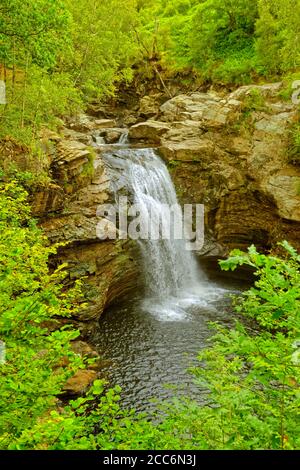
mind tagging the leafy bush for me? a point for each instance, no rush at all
(30, 297)
(277, 30)
(38, 357)
(251, 372)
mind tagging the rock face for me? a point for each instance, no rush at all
(230, 153)
(67, 210)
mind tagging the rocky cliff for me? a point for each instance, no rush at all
(227, 151)
(230, 152)
(67, 210)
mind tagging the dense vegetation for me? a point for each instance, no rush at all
(251, 371)
(56, 56)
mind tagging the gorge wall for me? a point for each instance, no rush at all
(230, 152)
(227, 151)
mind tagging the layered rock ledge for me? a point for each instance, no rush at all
(67, 210)
(230, 153)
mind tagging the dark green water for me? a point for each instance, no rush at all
(148, 354)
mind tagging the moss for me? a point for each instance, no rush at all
(173, 164)
(287, 91)
(88, 168)
(294, 144)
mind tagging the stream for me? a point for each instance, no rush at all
(150, 339)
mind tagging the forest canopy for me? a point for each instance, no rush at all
(70, 53)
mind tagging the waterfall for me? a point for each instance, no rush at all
(123, 140)
(171, 271)
(169, 267)
(174, 281)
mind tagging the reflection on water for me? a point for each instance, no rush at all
(151, 341)
(146, 350)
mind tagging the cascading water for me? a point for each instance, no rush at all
(169, 267)
(151, 342)
(173, 278)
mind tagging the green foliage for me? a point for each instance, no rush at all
(294, 147)
(30, 296)
(277, 29)
(103, 45)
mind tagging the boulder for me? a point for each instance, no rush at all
(77, 136)
(83, 349)
(112, 136)
(48, 199)
(81, 123)
(150, 131)
(104, 123)
(109, 266)
(209, 109)
(269, 90)
(148, 107)
(80, 382)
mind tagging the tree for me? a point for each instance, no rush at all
(35, 29)
(103, 45)
(278, 35)
(222, 29)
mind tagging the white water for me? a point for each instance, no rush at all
(123, 138)
(174, 280)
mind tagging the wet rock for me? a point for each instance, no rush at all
(83, 349)
(112, 136)
(80, 382)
